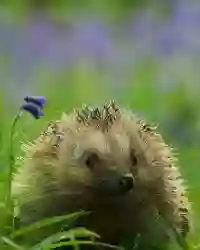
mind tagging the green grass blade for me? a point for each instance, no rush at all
(81, 242)
(47, 222)
(66, 235)
(12, 244)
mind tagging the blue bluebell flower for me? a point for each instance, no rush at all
(35, 111)
(34, 106)
(36, 100)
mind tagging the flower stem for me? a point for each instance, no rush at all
(11, 162)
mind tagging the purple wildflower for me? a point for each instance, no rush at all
(33, 110)
(36, 100)
(34, 105)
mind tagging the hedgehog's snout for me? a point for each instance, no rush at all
(127, 182)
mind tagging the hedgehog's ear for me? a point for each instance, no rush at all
(64, 116)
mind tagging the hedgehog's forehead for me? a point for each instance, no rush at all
(104, 117)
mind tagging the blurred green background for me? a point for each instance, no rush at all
(144, 54)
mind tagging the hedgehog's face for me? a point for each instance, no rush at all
(97, 161)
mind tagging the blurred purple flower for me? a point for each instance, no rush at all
(119, 47)
(181, 32)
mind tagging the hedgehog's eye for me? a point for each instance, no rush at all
(92, 161)
(133, 158)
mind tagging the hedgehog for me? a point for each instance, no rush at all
(110, 162)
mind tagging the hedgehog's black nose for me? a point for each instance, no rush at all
(127, 182)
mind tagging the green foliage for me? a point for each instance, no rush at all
(58, 239)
